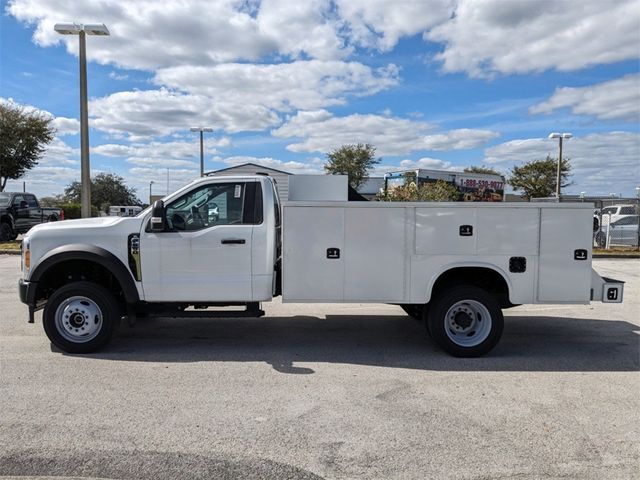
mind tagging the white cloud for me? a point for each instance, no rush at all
(617, 99)
(427, 163)
(322, 132)
(302, 84)
(144, 114)
(480, 37)
(296, 28)
(147, 34)
(602, 162)
(381, 23)
(163, 154)
(460, 139)
(310, 168)
(488, 37)
(66, 126)
(118, 76)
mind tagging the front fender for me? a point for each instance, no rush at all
(89, 253)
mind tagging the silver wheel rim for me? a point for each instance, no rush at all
(467, 323)
(78, 319)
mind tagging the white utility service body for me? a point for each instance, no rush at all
(223, 241)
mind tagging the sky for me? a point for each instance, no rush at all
(439, 84)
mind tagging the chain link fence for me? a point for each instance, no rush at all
(616, 221)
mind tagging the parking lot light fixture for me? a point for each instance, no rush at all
(82, 30)
(201, 130)
(560, 137)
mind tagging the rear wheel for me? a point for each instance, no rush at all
(81, 317)
(465, 321)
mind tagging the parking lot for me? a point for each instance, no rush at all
(326, 391)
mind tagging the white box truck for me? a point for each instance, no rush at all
(227, 241)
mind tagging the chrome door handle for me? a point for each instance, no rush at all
(233, 241)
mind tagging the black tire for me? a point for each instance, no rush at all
(6, 232)
(413, 310)
(458, 313)
(52, 218)
(96, 297)
(601, 239)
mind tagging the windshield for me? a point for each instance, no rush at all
(5, 198)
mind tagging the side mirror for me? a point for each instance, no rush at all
(158, 220)
(23, 204)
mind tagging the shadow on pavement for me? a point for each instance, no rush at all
(141, 465)
(528, 343)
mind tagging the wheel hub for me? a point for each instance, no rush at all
(78, 319)
(463, 319)
(467, 323)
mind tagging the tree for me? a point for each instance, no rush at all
(537, 178)
(106, 189)
(439, 191)
(24, 136)
(355, 161)
(481, 169)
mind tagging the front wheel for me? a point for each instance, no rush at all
(6, 232)
(465, 321)
(81, 317)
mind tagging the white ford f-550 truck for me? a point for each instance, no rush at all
(227, 241)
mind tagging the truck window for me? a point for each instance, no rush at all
(31, 201)
(17, 200)
(627, 211)
(207, 206)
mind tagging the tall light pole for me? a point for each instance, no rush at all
(201, 130)
(560, 137)
(85, 172)
(150, 192)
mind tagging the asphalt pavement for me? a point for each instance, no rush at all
(326, 391)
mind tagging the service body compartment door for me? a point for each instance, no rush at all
(375, 254)
(564, 271)
(445, 231)
(313, 254)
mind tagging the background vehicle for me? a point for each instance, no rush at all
(124, 210)
(472, 187)
(455, 265)
(612, 213)
(21, 211)
(623, 231)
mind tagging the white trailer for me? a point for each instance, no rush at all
(227, 241)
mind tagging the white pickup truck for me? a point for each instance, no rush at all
(227, 241)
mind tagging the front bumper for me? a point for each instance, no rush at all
(27, 290)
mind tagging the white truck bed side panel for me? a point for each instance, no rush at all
(375, 254)
(508, 231)
(562, 278)
(437, 231)
(308, 275)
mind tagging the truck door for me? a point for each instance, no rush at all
(205, 253)
(35, 212)
(21, 211)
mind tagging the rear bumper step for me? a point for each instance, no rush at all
(606, 290)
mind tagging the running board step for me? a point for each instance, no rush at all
(211, 314)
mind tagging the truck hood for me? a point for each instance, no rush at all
(96, 226)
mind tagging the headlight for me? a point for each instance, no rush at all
(26, 254)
